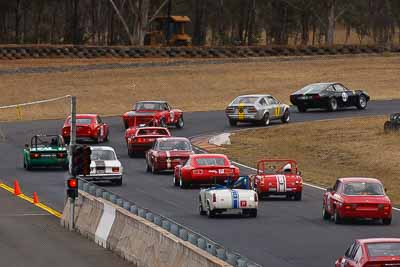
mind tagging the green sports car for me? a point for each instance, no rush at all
(46, 151)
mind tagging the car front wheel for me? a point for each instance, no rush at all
(362, 102)
(325, 214)
(286, 116)
(180, 123)
(336, 217)
(232, 122)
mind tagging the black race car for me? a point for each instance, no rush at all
(329, 96)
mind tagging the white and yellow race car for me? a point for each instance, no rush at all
(238, 198)
(260, 109)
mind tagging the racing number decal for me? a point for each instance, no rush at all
(277, 111)
(241, 111)
(345, 96)
(243, 203)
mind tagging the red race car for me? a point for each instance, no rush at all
(139, 140)
(205, 169)
(371, 252)
(166, 153)
(88, 127)
(278, 177)
(153, 113)
(357, 198)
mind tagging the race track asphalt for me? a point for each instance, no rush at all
(286, 233)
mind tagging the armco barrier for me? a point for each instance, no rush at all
(141, 236)
(69, 51)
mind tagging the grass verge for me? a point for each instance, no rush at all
(327, 150)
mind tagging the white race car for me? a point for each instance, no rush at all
(104, 165)
(239, 198)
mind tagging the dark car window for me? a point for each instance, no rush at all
(336, 186)
(363, 188)
(383, 249)
(167, 145)
(81, 121)
(245, 100)
(99, 121)
(272, 100)
(330, 89)
(102, 155)
(339, 88)
(349, 250)
(215, 161)
(263, 102)
(148, 106)
(152, 132)
(312, 88)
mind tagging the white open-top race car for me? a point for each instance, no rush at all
(238, 198)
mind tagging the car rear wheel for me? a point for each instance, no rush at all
(387, 221)
(325, 213)
(332, 105)
(180, 123)
(301, 108)
(266, 120)
(131, 153)
(182, 184)
(336, 217)
(232, 122)
(175, 181)
(362, 102)
(387, 127)
(201, 210)
(148, 169)
(286, 116)
(253, 213)
(210, 213)
(153, 169)
(297, 196)
(118, 182)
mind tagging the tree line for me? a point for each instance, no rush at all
(213, 22)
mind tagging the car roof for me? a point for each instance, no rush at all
(85, 116)
(101, 148)
(150, 128)
(208, 156)
(172, 138)
(152, 101)
(254, 95)
(358, 179)
(378, 240)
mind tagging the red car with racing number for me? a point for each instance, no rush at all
(205, 169)
(153, 113)
(88, 127)
(371, 252)
(276, 177)
(168, 152)
(357, 198)
(141, 139)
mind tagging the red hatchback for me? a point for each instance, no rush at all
(278, 177)
(166, 153)
(355, 197)
(205, 169)
(139, 140)
(372, 252)
(88, 127)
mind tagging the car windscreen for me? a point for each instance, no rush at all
(42, 141)
(81, 121)
(312, 89)
(363, 188)
(152, 132)
(215, 161)
(383, 249)
(245, 100)
(148, 106)
(102, 155)
(168, 145)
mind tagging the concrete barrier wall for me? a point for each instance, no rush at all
(134, 238)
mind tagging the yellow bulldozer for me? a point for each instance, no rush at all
(168, 31)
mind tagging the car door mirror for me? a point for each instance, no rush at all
(26, 146)
(385, 190)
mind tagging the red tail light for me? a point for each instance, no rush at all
(214, 198)
(139, 140)
(35, 155)
(316, 97)
(61, 155)
(197, 171)
(228, 171)
(255, 197)
(115, 169)
(251, 110)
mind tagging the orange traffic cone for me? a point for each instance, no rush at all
(35, 198)
(17, 190)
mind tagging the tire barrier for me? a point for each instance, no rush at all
(12, 52)
(130, 230)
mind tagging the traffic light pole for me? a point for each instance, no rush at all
(72, 145)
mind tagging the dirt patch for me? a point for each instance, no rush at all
(327, 150)
(198, 87)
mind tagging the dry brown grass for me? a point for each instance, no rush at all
(327, 150)
(197, 87)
